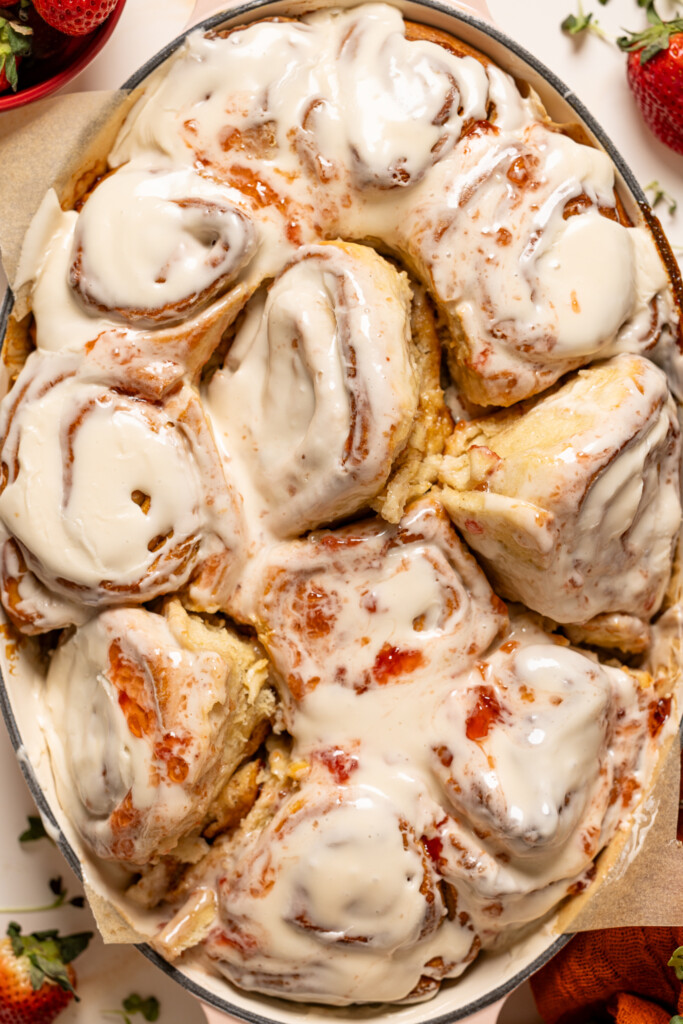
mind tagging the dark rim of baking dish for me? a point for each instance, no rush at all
(215, 21)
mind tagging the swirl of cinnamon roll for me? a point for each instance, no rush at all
(358, 97)
(372, 605)
(150, 718)
(396, 105)
(147, 360)
(285, 929)
(152, 246)
(318, 392)
(110, 499)
(573, 501)
(532, 263)
(541, 752)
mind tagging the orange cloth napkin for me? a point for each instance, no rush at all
(620, 974)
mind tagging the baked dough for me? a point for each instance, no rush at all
(151, 714)
(338, 223)
(573, 501)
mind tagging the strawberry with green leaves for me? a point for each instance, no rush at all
(655, 75)
(15, 43)
(36, 977)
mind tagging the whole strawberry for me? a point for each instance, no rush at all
(655, 74)
(36, 979)
(75, 17)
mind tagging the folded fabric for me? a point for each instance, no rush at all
(618, 974)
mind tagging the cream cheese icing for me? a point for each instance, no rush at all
(326, 352)
(246, 372)
(442, 756)
(79, 457)
(579, 522)
(179, 239)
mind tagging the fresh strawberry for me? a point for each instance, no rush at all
(75, 17)
(655, 74)
(36, 979)
(15, 43)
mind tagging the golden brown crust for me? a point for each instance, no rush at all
(416, 30)
(416, 468)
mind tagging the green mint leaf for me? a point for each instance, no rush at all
(14, 933)
(77, 901)
(35, 830)
(149, 1007)
(676, 962)
(132, 1003)
(576, 23)
(71, 946)
(11, 71)
(52, 969)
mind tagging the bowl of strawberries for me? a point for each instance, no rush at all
(46, 43)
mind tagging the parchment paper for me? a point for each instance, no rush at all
(61, 143)
(49, 144)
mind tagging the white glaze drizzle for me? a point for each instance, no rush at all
(581, 520)
(76, 454)
(372, 604)
(509, 842)
(285, 115)
(150, 246)
(318, 391)
(134, 756)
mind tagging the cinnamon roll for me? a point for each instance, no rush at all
(531, 262)
(285, 930)
(541, 751)
(318, 392)
(150, 360)
(441, 771)
(358, 98)
(153, 246)
(573, 501)
(373, 605)
(108, 499)
(395, 105)
(153, 363)
(151, 714)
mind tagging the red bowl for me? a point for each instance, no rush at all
(77, 53)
